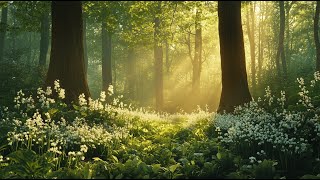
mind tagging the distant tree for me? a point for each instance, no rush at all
(280, 52)
(85, 49)
(44, 40)
(67, 58)
(316, 35)
(158, 57)
(3, 27)
(234, 77)
(251, 31)
(106, 53)
(197, 60)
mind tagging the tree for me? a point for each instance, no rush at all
(106, 53)
(67, 58)
(85, 49)
(3, 27)
(197, 60)
(44, 41)
(235, 89)
(280, 52)
(316, 35)
(158, 57)
(250, 31)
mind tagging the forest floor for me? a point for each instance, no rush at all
(43, 137)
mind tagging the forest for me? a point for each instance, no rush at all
(159, 89)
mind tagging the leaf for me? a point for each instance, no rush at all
(174, 167)
(115, 159)
(53, 111)
(120, 176)
(97, 159)
(219, 155)
(76, 107)
(156, 168)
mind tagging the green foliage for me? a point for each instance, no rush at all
(265, 170)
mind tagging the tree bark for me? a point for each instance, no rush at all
(3, 30)
(235, 89)
(67, 59)
(106, 55)
(158, 56)
(44, 41)
(280, 52)
(197, 60)
(316, 35)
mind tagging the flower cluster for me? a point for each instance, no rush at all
(305, 98)
(59, 90)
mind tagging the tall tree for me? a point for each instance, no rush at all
(316, 35)
(288, 6)
(197, 60)
(85, 49)
(3, 29)
(235, 89)
(158, 57)
(106, 53)
(131, 72)
(67, 59)
(280, 51)
(44, 39)
(250, 30)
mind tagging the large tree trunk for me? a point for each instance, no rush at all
(106, 55)
(316, 35)
(3, 30)
(67, 59)
(158, 57)
(280, 52)
(235, 89)
(85, 50)
(252, 44)
(44, 41)
(197, 60)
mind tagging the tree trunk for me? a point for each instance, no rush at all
(106, 55)
(29, 60)
(167, 57)
(197, 60)
(235, 89)
(287, 29)
(316, 35)
(85, 50)
(3, 30)
(252, 43)
(44, 41)
(131, 74)
(158, 56)
(280, 52)
(66, 58)
(260, 47)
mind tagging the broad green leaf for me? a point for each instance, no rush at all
(172, 168)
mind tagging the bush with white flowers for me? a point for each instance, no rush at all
(277, 131)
